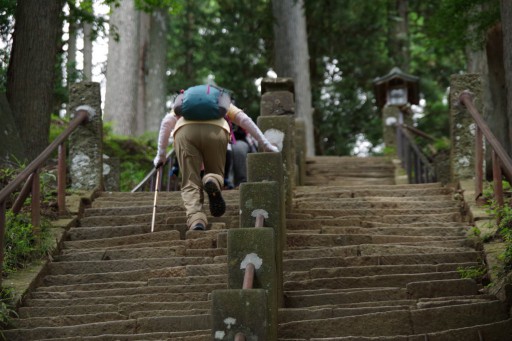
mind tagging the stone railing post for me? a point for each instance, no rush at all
(86, 142)
(278, 113)
(462, 127)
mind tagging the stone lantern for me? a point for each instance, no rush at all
(394, 93)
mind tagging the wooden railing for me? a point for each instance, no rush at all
(418, 167)
(500, 159)
(30, 175)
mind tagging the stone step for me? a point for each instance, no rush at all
(350, 203)
(199, 335)
(102, 266)
(304, 240)
(373, 213)
(372, 250)
(158, 297)
(496, 331)
(167, 324)
(448, 231)
(204, 288)
(349, 258)
(168, 281)
(137, 275)
(146, 218)
(138, 253)
(372, 270)
(398, 322)
(392, 280)
(320, 221)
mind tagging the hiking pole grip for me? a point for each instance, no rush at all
(157, 183)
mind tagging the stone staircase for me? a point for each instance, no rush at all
(366, 260)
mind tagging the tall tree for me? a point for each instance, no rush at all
(292, 58)
(156, 65)
(123, 69)
(506, 22)
(31, 71)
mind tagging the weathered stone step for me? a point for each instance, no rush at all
(320, 221)
(158, 297)
(124, 240)
(69, 320)
(124, 309)
(298, 240)
(190, 323)
(138, 253)
(202, 288)
(169, 281)
(392, 280)
(373, 213)
(346, 203)
(370, 250)
(199, 335)
(496, 331)
(137, 275)
(392, 323)
(311, 298)
(372, 270)
(89, 267)
(351, 259)
(453, 231)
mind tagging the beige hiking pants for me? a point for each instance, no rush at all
(196, 145)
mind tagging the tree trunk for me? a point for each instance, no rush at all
(142, 72)
(156, 79)
(506, 22)
(292, 59)
(87, 29)
(31, 71)
(71, 63)
(122, 69)
(399, 38)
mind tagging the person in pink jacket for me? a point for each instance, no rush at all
(204, 144)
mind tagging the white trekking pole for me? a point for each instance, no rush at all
(154, 202)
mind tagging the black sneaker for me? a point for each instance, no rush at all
(198, 227)
(217, 203)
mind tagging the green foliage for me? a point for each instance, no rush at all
(21, 242)
(7, 307)
(135, 155)
(503, 218)
(472, 272)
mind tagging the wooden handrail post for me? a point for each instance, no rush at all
(479, 163)
(35, 204)
(61, 179)
(496, 176)
(240, 337)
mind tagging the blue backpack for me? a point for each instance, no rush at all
(202, 102)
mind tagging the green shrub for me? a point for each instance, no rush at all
(22, 244)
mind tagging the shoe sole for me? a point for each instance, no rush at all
(217, 203)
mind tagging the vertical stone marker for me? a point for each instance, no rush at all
(86, 142)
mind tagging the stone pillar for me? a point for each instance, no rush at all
(254, 245)
(86, 142)
(463, 127)
(300, 151)
(266, 198)
(286, 125)
(231, 315)
(277, 97)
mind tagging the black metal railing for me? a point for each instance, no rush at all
(418, 167)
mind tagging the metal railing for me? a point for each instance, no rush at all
(500, 159)
(30, 175)
(169, 182)
(418, 167)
